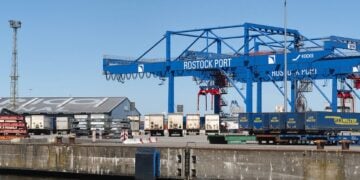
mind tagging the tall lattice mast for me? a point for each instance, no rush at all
(15, 25)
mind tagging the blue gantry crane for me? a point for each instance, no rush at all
(219, 57)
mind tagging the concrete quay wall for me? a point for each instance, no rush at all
(181, 162)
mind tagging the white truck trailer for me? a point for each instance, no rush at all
(229, 124)
(134, 123)
(212, 123)
(39, 124)
(63, 125)
(193, 124)
(155, 124)
(147, 124)
(175, 124)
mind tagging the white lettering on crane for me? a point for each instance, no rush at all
(207, 64)
(299, 72)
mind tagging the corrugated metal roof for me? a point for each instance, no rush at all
(66, 105)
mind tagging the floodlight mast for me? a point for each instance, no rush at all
(285, 59)
(15, 25)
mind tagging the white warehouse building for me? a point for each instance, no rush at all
(72, 113)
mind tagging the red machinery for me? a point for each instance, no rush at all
(208, 90)
(343, 96)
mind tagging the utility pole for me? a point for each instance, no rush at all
(15, 25)
(285, 58)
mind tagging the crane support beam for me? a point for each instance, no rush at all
(321, 92)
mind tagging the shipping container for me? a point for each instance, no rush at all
(295, 122)
(277, 122)
(331, 122)
(245, 121)
(118, 126)
(155, 124)
(40, 124)
(212, 123)
(260, 122)
(175, 124)
(193, 124)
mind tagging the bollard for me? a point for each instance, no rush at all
(58, 139)
(345, 144)
(71, 139)
(93, 136)
(320, 144)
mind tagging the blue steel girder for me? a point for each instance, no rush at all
(302, 65)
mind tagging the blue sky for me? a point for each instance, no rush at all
(61, 42)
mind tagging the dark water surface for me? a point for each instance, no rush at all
(28, 177)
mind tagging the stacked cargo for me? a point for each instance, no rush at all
(100, 123)
(134, 124)
(80, 125)
(12, 125)
(117, 126)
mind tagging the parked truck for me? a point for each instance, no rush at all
(193, 124)
(63, 125)
(175, 124)
(212, 123)
(39, 124)
(155, 124)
